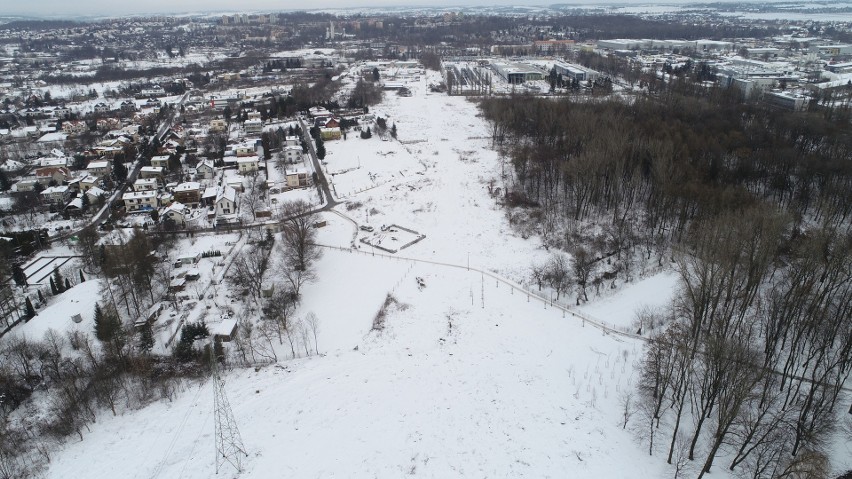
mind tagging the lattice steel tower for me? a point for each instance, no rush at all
(229, 443)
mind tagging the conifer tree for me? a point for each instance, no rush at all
(53, 289)
(30, 309)
(82, 278)
(19, 276)
(146, 338)
(58, 281)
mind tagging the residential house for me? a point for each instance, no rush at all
(26, 184)
(226, 201)
(253, 127)
(247, 164)
(57, 174)
(99, 168)
(95, 194)
(153, 91)
(218, 125)
(74, 127)
(145, 184)
(140, 200)
(247, 148)
(292, 141)
(60, 111)
(101, 108)
(128, 106)
(205, 170)
(292, 154)
(88, 182)
(57, 195)
(155, 172)
(209, 196)
(74, 207)
(297, 178)
(188, 193)
(174, 213)
(161, 161)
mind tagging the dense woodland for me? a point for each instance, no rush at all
(746, 367)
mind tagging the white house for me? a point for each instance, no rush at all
(155, 172)
(94, 193)
(247, 164)
(205, 170)
(56, 194)
(226, 201)
(140, 200)
(161, 161)
(292, 154)
(174, 212)
(145, 184)
(99, 168)
(88, 183)
(253, 127)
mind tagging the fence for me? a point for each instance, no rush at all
(585, 318)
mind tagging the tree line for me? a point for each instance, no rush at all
(753, 207)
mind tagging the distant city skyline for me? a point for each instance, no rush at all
(57, 8)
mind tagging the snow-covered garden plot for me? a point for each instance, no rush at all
(40, 269)
(356, 165)
(79, 300)
(392, 238)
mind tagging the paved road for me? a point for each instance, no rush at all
(322, 182)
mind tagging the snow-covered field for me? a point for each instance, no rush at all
(465, 377)
(448, 389)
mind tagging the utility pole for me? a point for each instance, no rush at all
(229, 443)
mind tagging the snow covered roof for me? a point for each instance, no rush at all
(132, 195)
(52, 137)
(205, 164)
(225, 328)
(188, 186)
(210, 192)
(95, 191)
(175, 208)
(227, 193)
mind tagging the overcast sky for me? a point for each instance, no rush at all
(118, 7)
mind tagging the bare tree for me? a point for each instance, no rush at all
(278, 309)
(299, 247)
(248, 269)
(312, 323)
(556, 273)
(583, 266)
(252, 199)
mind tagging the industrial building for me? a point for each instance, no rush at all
(575, 72)
(517, 72)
